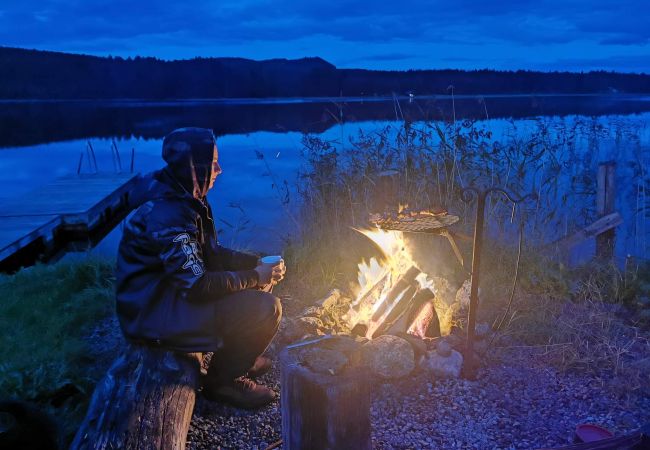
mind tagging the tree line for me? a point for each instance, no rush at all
(35, 74)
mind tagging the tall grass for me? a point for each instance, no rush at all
(45, 313)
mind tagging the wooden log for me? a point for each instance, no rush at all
(145, 401)
(408, 313)
(365, 301)
(600, 226)
(325, 400)
(392, 313)
(406, 286)
(403, 283)
(418, 318)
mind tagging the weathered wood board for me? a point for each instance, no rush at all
(75, 201)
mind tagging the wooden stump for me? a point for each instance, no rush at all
(145, 401)
(325, 399)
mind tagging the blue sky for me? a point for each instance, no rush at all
(382, 34)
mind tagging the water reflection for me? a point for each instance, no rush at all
(260, 149)
(30, 123)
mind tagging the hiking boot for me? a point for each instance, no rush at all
(261, 366)
(241, 392)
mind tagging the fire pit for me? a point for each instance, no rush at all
(394, 298)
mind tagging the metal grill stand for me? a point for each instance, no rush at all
(469, 365)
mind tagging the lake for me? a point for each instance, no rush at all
(260, 145)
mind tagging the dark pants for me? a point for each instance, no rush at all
(246, 321)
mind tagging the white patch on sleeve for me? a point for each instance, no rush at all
(191, 250)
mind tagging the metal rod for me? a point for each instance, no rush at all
(132, 158)
(469, 366)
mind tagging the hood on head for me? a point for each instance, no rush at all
(189, 153)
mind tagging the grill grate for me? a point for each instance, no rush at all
(425, 224)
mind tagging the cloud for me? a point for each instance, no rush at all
(382, 31)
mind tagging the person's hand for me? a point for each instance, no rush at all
(278, 272)
(264, 275)
(270, 275)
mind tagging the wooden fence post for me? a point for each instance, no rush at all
(605, 198)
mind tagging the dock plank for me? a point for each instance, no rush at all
(76, 202)
(66, 196)
(18, 232)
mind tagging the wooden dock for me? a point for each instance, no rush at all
(77, 209)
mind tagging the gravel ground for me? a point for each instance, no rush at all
(519, 405)
(518, 402)
(216, 425)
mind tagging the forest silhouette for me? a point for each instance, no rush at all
(36, 74)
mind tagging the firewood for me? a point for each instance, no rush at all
(144, 401)
(392, 312)
(412, 312)
(402, 284)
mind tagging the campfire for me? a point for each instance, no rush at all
(394, 295)
(397, 310)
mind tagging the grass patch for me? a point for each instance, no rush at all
(45, 313)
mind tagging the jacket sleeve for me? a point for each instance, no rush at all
(182, 259)
(234, 260)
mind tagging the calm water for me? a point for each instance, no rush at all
(40, 141)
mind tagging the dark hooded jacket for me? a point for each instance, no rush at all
(170, 267)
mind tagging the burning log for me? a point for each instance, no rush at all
(397, 298)
(426, 323)
(418, 317)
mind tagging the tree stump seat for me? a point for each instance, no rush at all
(145, 401)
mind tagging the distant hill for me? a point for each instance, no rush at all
(35, 74)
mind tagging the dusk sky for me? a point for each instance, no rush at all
(512, 34)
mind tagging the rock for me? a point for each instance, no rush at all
(443, 366)
(389, 356)
(418, 344)
(300, 327)
(348, 345)
(482, 330)
(431, 343)
(325, 361)
(456, 341)
(443, 348)
(330, 299)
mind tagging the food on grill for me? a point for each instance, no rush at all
(405, 215)
(410, 220)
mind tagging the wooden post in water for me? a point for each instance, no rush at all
(605, 198)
